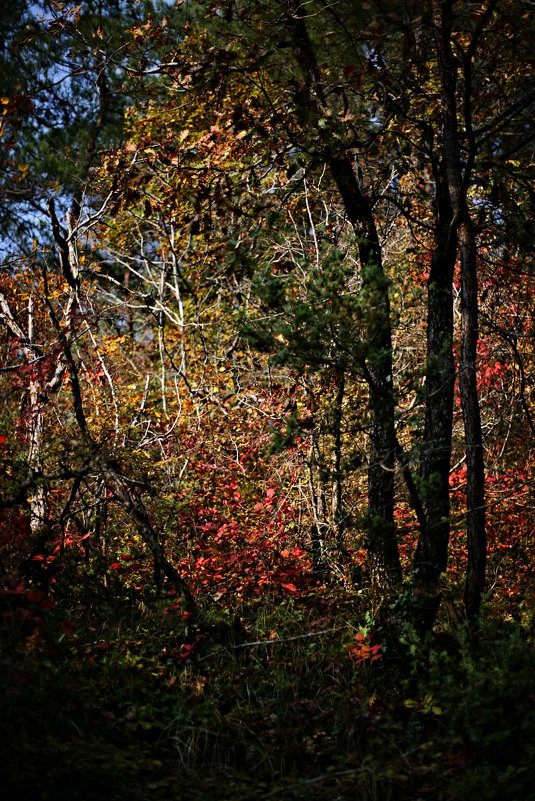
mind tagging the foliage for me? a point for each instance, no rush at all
(267, 382)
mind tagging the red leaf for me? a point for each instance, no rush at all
(68, 627)
(187, 650)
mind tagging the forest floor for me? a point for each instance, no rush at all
(282, 699)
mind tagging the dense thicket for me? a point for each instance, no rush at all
(267, 333)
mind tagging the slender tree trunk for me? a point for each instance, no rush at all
(456, 230)
(36, 392)
(432, 551)
(320, 524)
(39, 507)
(431, 555)
(385, 568)
(475, 490)
(337, 495)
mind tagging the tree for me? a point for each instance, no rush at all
(64, 87)
(275, 191)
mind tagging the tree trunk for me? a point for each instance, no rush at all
(455, 229)
(385, 568)
(337, 509)
(432, 551)
(431, 555)
(475, 489)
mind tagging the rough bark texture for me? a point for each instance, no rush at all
(475, 490)
(382, 542)
(454, 231)
(432, 550)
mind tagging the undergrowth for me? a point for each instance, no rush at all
(286, 699)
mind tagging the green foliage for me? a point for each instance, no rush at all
(489, 692)
(63, 93)
(298, 697)
(221, 204)
(314, 323)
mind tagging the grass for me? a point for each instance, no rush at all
(267, 704)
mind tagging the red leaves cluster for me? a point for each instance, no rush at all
(238, 544)
(363, 650)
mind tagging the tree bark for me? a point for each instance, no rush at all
(454, 230)
(432, 550)
(475, 473)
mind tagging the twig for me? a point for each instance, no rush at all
(336, 773)
(273, 641)
(316, 779)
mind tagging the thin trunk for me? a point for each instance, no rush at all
(33, 354)
(385, 568)
(336, 500)
(456, 229)
(319, 524)
(475, 489)
(39, 506)
(432, 550)
(475, 459)
(134, 506)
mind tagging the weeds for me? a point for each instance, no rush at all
(266, 701)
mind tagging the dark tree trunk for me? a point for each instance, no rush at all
(432, 550)
(475, 489)
(456, 229)
(385, 569)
